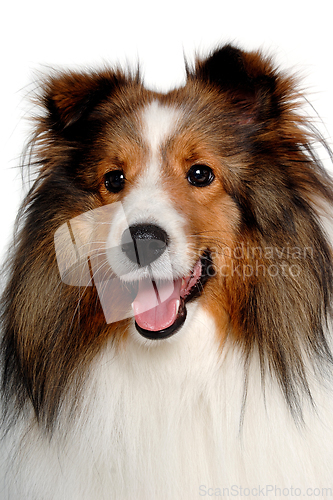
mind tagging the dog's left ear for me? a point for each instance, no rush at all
(246, 78)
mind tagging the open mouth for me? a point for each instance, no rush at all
(160, 307)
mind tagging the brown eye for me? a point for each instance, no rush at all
(114, 181)
(200, 175)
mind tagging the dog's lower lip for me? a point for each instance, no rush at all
(193, 293)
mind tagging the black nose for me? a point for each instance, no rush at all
(144, 243)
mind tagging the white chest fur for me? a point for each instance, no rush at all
(164, 422)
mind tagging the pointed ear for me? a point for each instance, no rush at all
(70, 97)
(246, 78)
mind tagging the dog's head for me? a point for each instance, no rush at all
(203, 196)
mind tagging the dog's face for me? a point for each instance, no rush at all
(169, 222)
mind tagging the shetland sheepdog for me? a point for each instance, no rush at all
(167, 317)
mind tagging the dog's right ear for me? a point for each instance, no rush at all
(247, 79)
(69, 97)
(225, 68)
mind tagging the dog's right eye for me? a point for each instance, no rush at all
(114, 181)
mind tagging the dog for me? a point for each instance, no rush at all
(167, 317)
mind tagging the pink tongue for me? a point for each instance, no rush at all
(156, 305)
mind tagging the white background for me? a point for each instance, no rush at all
(37, 34)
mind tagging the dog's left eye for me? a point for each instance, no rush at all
(114, 181)
(200, 175)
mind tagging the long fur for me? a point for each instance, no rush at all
(241, 396)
